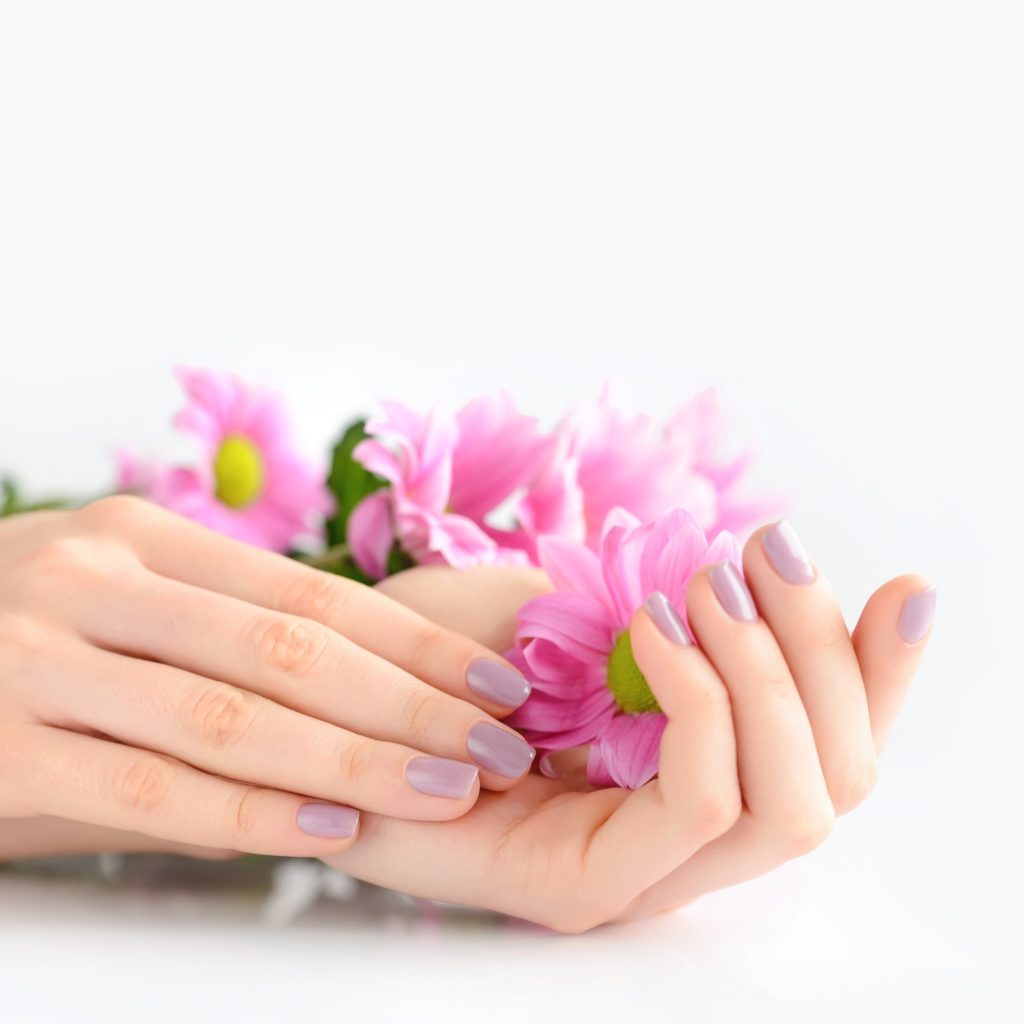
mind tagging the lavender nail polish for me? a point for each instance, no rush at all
(499, 683)
(499, 751)
(788, 557)
(327, 821)
(439, 776)
(916, 615)
(732, 592)
(666, 618)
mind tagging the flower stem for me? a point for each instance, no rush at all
(331, 558)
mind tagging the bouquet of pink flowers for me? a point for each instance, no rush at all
(612, 506)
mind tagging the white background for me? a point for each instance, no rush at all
(816, 206)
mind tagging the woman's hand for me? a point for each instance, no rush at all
(775, 723)
(158, 678)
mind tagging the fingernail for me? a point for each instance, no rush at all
(732, 592)
(547, 767)
(439, 776)
(916, 615)
(499, 751)
(786, 554)
(327, 821)
(666, 618)
(499, 683)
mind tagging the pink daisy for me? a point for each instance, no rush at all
(251, 483)
(449, 475)
(609, 458)
(573, 645)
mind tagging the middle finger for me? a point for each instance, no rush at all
(301, 665)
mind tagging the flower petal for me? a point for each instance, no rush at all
(371, 534)
(627, 751)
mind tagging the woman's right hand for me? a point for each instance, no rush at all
(159, 678)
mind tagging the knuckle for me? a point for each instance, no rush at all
(428, 638)
(117, 513)
(357, 760)
(707, 698)
(808, 832)
(292, 648)
(576, 920)
(65, 557)
(220, 716)
(315, 595)
(714, 813)
(20, 642)
(421, 711)
(242, 813)
(143, 786)
(856, 786)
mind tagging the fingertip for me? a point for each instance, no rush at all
(915, 619)
(904, 607)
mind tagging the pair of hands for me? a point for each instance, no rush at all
(162, 687)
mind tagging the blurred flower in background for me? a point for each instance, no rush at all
(250, 483)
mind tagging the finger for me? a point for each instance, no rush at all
(227, 731)
(801, 611)
(24, 838)
(696, 796)
(780, 775)
(105, 783)
(890, 639)
(309, 668)
(183, 550)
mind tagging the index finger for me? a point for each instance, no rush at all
(696, 796)
(183, 550)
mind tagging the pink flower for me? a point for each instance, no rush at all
(449, 475)
(573, 644)
(611, 459)
(251, 483)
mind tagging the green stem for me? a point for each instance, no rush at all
(328, 559)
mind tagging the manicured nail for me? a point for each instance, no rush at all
(916, 615)
(494, 681)
(786, 554)
(666, 618)
(499, 751)
(439, 776)
(547, 767)
(732, 592)
(327, 821)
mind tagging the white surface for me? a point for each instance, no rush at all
(816, 206)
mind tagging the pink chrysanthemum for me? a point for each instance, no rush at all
(609, 458)
(251, 483)
(574, 647)
(448, 474)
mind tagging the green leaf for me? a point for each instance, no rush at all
(348, 481)
(12, 503)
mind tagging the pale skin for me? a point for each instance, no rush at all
(775, 727)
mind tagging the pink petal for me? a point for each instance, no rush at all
(576, 622)
(558, 724)
(571, 566)
(370, 534)
(377, 458)
(627, 751)
(498, 451)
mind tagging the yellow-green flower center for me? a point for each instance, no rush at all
(626, 681)
(238, 472)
